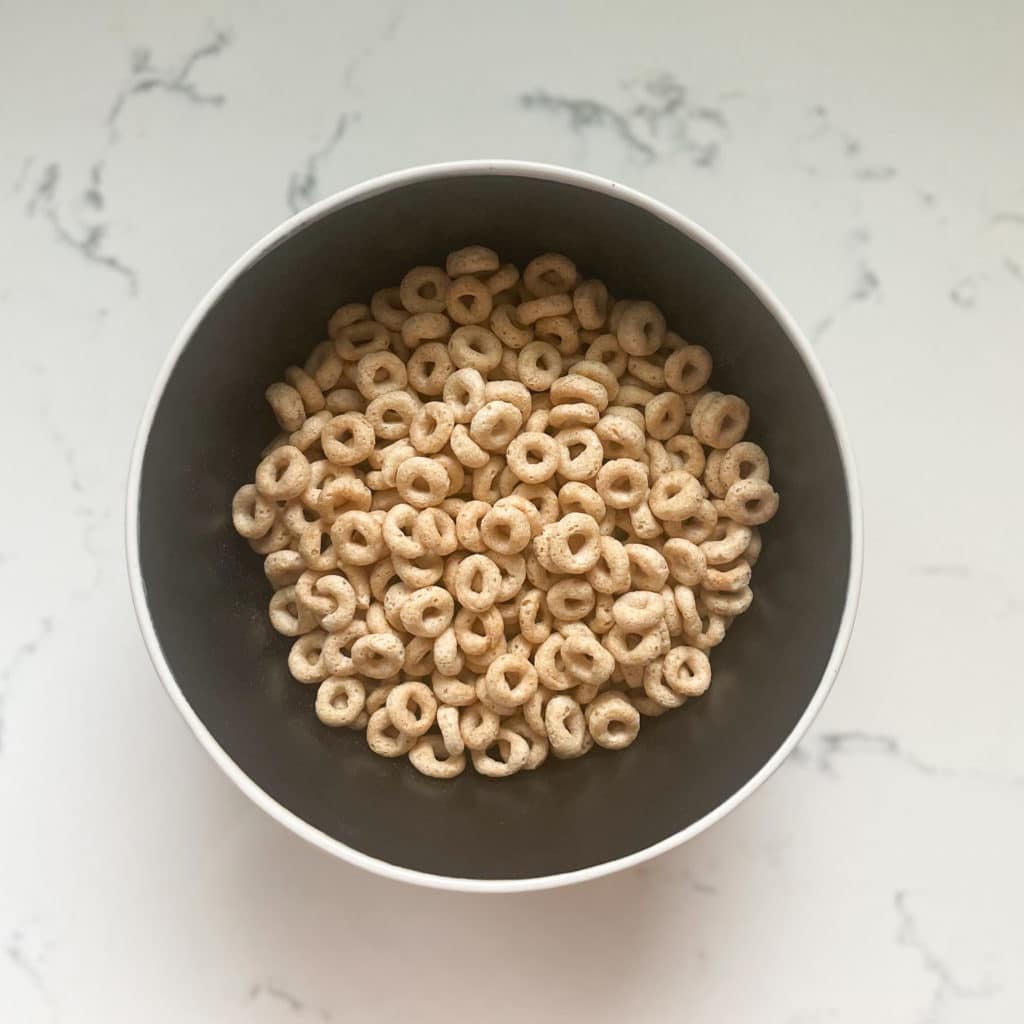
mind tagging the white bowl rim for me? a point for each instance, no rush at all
(544, 172)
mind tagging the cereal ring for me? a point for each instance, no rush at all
(633, 647)
(447, 719)
(573, 414)
(343, 494)
(431, 757)
(640, 329)
(586, 660)
(622, 483)
(335, 594)
(657, 690)
(478, 632)
(571, 600)
(533, 457)
(620, 437)
(513, 752)
(550, 664)
(572, 545)
(378, 655)
(422, 482)
(308, 390)
(687, 369)
(422, 327)
(590, 301)
(283, 568)
(533, 616)
(386, 308)
(574, 496)
(411, 708)
(604, 349)
(466, 451)
(419, 657)
(283, 474)
(511, 391)
(610, 573)
(424, 290)
(720, 421)
(744, 461)
(631, 395)
(642, 522)
(422, 571)
(275, 539)
(479, 726)
(305, 659)
(505, 529)
(476, 583)
(690, 451)
(687, 671)
(613, 721)
(566, 727)
(347, 439)
(650, 372)
(344, 400)
(558, 331)
(464, 394)
(502, 280)
(485, 480)
(452, 690)
(398, 531)
(430, 368)
(384, 738)
(431, 427)
(509, 328)
(360, 339)
(539, 364)
(510, 680)
(378, 373)
(550, 274)
(340, 700)
(580, 454)
(728, 542)
(696, 527)
(314, 544)
(428, 612)
(469, 301)
(665, 415)
(434, 529)
(287, 406)
(472, 259)
(543, 499)
(287, 616)
(309, 433)
(676, 496)
(574, 387)
(531, 311)
(687, 563)
(727, 603)
(494, 425)
(638, 611)
(344, 316)
(537, 741)
(475, 347)
(727, 578)
(750, 501)
(251, 514)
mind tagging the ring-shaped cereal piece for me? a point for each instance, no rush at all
(622, 483)
(479, 726)
(665, 415)
(690, 451)
(287, 615)
(464, 393)
(620, 437)
(286, 404)
(512, 752)
(306, 660)
(640, 329)
(485, 481)
(613, 721)
(574, 414)
(696, 527)
(600, 373)
(533, 617)
(687, 671)
(378, 655)
(720, 421)
(343, 494)
(539, 364)
(347, 439)
(543, 499)
(360, 339)
(550, 664)
(744, 461)
(532, 310)
(424, 290)
(251, 513)
(503, 280)
(750, 502)
(431, 428)
(283, 568)
(428, 612)
(687, 369)
(467, 525)
(650, 371)
(447, 719)
(387, 309)
(590, 302)
(378, 373)
(324, 366)
(430, 368)
(574, 496)
(340, 700)
(466, 451)
(550, 274)
(537, 741)
(638, 611)
(308, 389)
(411, 708)
(398, 531)
(340, 600)
(727, 578)
(510, 680)
(422, 482)
(505, 323)
(421, 327)
(275, 539)
(566, 727)
(435, 531)
(494, 425)
(309, 433)
(314, 544)
(469, 301)
(477, 579)
(648, 569)
(419, 658)
(728, 542)
(453, 689)
(727, 603)
(572, 545)
(430, 756)
(384, 738)
(478, 632)
(574, 387)
(605, 349)
(580, 454)
(657, 690)
(344, 316)
(610, 574)
(391, 415)
(423, 571)
(571, 600)
(357, 538)
(687, 562)
(637, 647)
(472, 259)
(643, 524)
(533, 457)
(586, 659)
(505, 529)
(474, 347)
(283, 474)
(675, 495)
(559, 331)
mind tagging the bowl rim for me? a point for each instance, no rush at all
(562, 175)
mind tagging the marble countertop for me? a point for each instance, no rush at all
(869, 164)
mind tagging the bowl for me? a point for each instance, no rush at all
(201, 597)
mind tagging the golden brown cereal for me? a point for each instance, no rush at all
(283, 568)
(287, 406)
(391, 415)
(640, 329)
(434, 529)
(550, 274)
(622, 483)
(750, 501)
(429, 368)
(566, 727)
(505, 529)
(590, 301)
(534, 309)
(340, 700)
(424, 290)
(427, 612)
(305, 660)
(431, 427)
(422, 482)
(690, 451)
(687, 369)
(494, 425)
(251, 513)
(347, 439)
(342, 317)
(378, 655)
(539, 364)
(479, 726)
(509, 328)
(510, 680)
(359, 339)
(720, 421)
(422, 327)
(512, 752)
(687, 563)
(477, 579)
(287, 616)
(283, 474)
(559, 331)
(378, 373)
(386, 308)
(613, 720)
(571, 545)
(676, 496)
(729, 541)
(472, 259)
(411, 708)
(469, 301)
(384, 738)
(580, 454)
(664, 415)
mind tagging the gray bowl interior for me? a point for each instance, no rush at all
(207, 594)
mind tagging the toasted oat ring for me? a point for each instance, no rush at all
(283, 474)
(309, 391)
(357, 538)
(687, 369)
(347, 439)
(539, 365)
(687, 671)
(571, 600)
(485, 481)
(574, 496)
(573, 414)
(729, 541)
(378, 373)
(494, 425)
(378, 655)
(665, 415)
(590, 301)
(343, 316)
(574, 387)
(340, 700)
(287, 406)
(431, 427)
(422, 327)
(750, 502)
(533, 457)
(398, 531)
(638, 611)
(340, 598)
(534, 618)
(599, 373)
(447, 719)
(276, 538)
(566, 727)
(467, 525)
(469, 301)
(430, 756)
(610, 573)
(637, 647)
(687, 562)
(531, 311)
(550, 274)
(698, 526)
(509, 328)
(306, 660)
(543, 499)
(479, 726)
(342, 494)
(513, 752)
(690, 451)
(466, 451)
(657, 690)
(471, 259)
(572, 545)
(360, 339)
(537, 741)
(478, 632)
(613, 721)
(640, 329)
(510, 680)
(643, 524)
(605, 349)
(650, 372)
(744, 461)
(252, 514)
(287, 615)
(586, 660)
(727, 603)
(622, 483)
(384, 738)
(475, 347)
(390, 415)
(422, 571)
(675, 495)
(620, 437)
(720, 421)
(476, 583)
(314, 544)
(648, 569)
(386, 308)
(428, 612)
(283, 568)
(430, 367)
(422, 482)
(324, 366)
(411, 708)
(309, 433)
(550, 664)
(435, 531)
(724, 579)
(580, 453)
(464, 393)
(505, 529)
(559, 331)
(503, 279)
(424, 290)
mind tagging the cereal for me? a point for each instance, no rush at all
(504, 516)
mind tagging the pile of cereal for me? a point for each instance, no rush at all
(506, 516)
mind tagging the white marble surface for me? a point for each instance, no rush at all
(868, 162)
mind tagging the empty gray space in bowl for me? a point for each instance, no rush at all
(208, 597)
